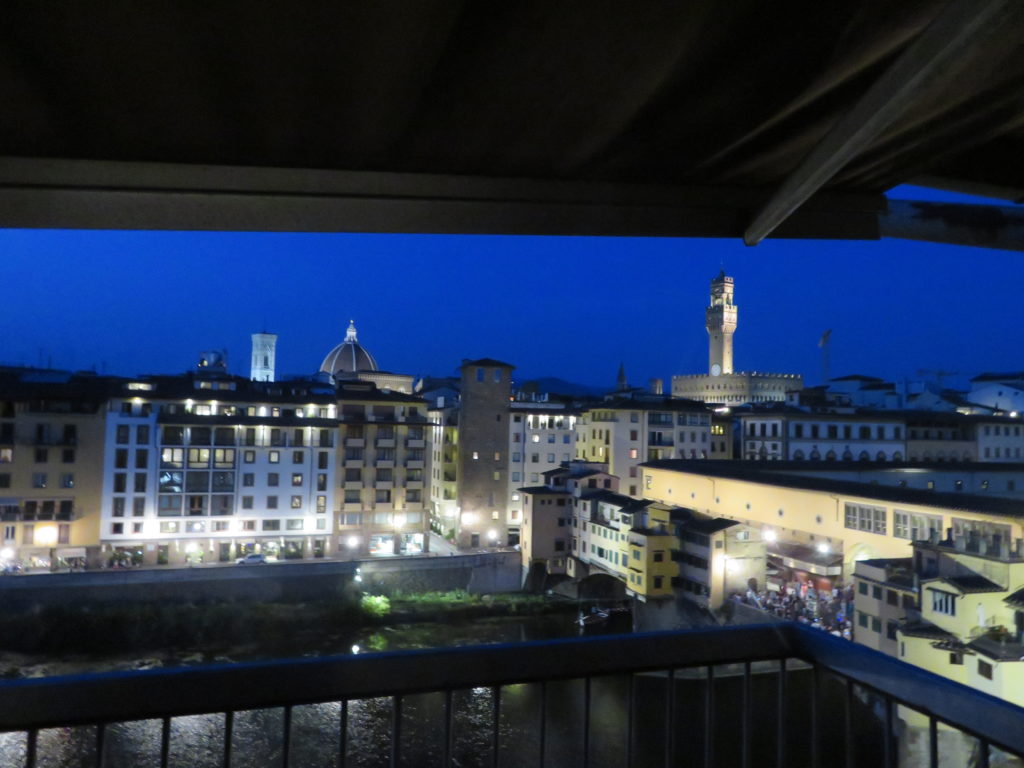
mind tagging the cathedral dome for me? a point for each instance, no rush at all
(348, 357)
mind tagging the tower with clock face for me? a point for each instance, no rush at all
(721, 324)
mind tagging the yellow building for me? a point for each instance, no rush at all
(971, 623)
(52, 432)
(834, 518)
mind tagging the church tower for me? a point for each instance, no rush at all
(721, 324)
(264, 346)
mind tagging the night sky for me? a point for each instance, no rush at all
(149, 302)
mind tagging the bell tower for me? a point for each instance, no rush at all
(721, 324)
(264, 349)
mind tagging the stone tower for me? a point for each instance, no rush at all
(486, 387)
(264, 347)
(721, 324)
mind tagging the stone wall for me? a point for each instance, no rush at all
(272, 582)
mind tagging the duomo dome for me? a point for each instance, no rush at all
(349, 357)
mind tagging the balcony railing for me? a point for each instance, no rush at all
(765, 695)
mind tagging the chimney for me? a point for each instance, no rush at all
(657, 387)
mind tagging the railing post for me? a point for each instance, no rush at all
(709, 718)
(229, 728)
(746, 715)
(780, 719)
(495, 723)
(933, 743)
(396, 730)
(670, 715)
(586, 722)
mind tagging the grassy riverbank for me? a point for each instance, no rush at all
(111, 630)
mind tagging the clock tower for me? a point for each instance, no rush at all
(721, 324)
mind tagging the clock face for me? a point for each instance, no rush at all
(716, 369)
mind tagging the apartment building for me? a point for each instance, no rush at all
(625, 430)
(885, 595)
(970, 627)
(542, 437)
(208, 467)
(51, 452)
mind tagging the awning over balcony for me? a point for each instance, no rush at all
(661, 118)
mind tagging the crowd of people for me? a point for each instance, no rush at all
(827, 609)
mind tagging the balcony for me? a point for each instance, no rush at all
(386, 484)
(384, 463)
(355, 442)
(354, 463)
(385, 442)
(415, 443)
(765, 695)
(414, 464)
(352, 485)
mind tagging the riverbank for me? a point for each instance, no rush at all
(67, 639)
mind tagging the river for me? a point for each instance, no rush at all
(198, 741)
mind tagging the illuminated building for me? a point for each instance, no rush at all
(627, 429)
(824, 519)
(51, 452)
(722, 384)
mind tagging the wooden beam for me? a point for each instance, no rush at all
(962, 24)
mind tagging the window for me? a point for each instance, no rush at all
(121, 458)
(141, 458)
(117, 510)
(67, 480)
(273, 479)
(247, 502)
(42, 455)
(956, 658)
(891, 597)
(139, 506)
(294, 525)
(39, 480)
(298, 457)
(5, 480)
(117, 528)
(123, 435)
(876, 592)
(915, 526)
(296, 502)
(140, 482)
(864, 518)
(67, 455)
(891, 628)
(274, 457)
(271, 502)
(943, 602)
(249, 457)
(168, 506)
(271, 525)
(985, 669)
(296, 479)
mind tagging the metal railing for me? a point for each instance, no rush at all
(770, 695)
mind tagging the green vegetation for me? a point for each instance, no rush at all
(375, 606)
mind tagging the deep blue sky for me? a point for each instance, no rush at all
(147, 302)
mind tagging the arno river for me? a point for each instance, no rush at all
(198, 741)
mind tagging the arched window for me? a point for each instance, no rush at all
(880, 456)
(897, 456)
(830, 456)
(864, 456)
(798, 455)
